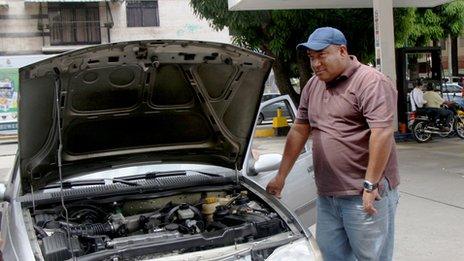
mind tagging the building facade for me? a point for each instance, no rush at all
(446, 53)
(53, 26)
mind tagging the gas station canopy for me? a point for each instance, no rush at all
(238, 5)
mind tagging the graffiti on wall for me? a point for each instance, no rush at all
(9, 83)
(188, 29)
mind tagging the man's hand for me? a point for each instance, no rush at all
(368, 201)
(275, 186)
(380, 144)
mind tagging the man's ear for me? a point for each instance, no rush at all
(343, 50)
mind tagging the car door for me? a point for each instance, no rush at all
(299, 193)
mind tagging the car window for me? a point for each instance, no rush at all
(271, 130)
(452, 88)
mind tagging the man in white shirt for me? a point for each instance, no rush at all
(417, 97)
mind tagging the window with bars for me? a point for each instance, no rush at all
(74, 23)
(142, 13)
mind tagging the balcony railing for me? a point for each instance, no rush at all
(74, 32)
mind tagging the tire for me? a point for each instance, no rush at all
(459, 127)
(260, 118)
(418, 131)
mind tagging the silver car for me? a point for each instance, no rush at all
(142, 150)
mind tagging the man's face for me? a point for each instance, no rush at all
(329, 63)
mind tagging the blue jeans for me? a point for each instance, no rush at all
(345, 232)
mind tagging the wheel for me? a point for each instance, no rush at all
(459, 127)
(260, 118)
(418, 131)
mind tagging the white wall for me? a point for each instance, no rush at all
(19, 31)
(177, 21)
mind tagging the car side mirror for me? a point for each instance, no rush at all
(266, 162)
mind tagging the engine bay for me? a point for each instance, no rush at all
(153, 226)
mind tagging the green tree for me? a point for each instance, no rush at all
(277, 32)
(427, 25)
(452, 22)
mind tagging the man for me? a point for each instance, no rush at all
(433, 103)
(417, 97)
(349, 109)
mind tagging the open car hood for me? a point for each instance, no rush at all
(138, 102)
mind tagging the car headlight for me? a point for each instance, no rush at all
(300, 249)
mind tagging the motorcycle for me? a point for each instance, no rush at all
(423, 126)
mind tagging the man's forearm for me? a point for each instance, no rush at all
(296, 139)
(380, 144)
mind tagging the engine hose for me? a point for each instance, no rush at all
(40, 231)
(91, 229)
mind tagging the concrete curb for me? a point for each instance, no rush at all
(264, 133)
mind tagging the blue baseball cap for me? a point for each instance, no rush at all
(322, 37)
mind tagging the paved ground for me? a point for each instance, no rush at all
(430, 219)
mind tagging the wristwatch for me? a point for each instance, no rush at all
(369, 186)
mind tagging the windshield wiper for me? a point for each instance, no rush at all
(88, 182)
(156, 174)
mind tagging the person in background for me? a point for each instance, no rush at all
(417, 97)
(434, 103)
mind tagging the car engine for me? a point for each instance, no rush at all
(153, 226)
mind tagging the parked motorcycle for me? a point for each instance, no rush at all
(423, 126)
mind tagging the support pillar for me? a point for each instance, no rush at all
(385, 39)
